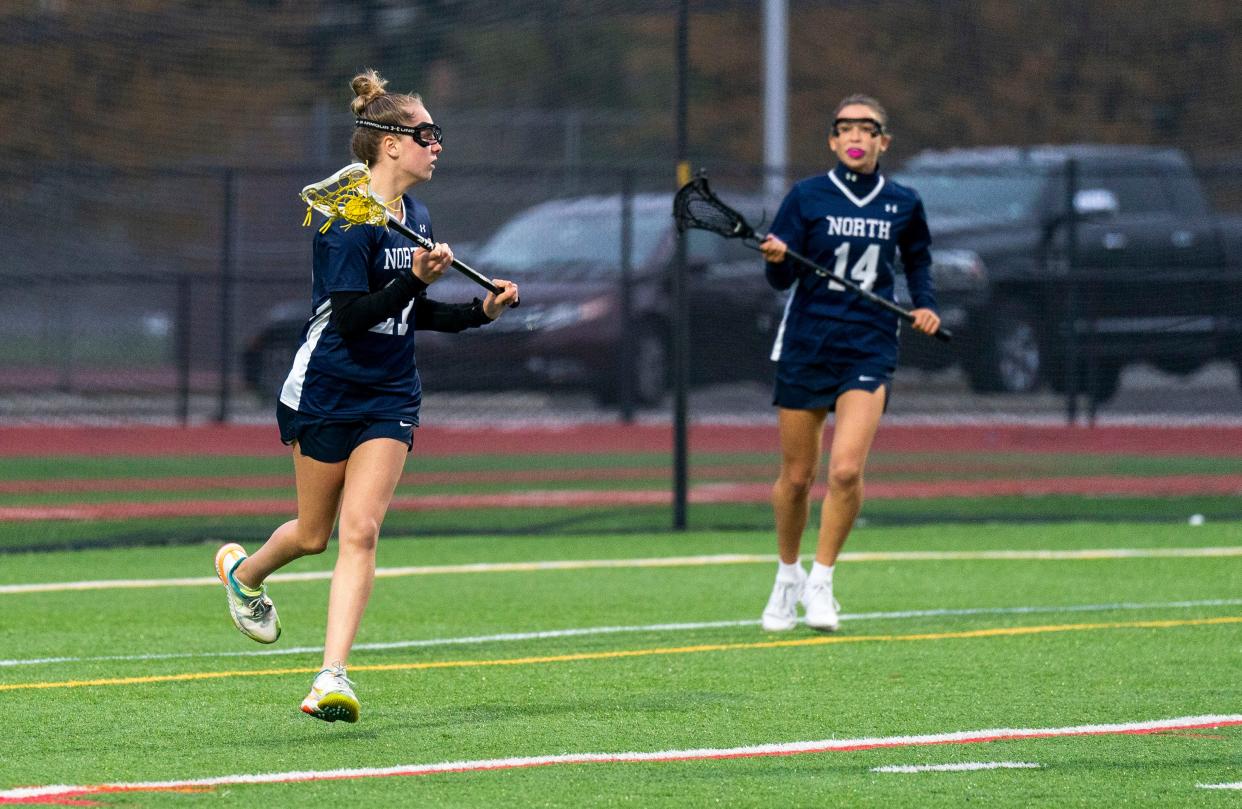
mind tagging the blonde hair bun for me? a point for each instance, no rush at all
(367, 86)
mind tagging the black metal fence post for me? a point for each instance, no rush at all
(1071, 293)
(627, 367)
(680, 325)
(226, 300)
(185, 305)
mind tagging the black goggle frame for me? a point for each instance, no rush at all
(415, 132)
(879, 127)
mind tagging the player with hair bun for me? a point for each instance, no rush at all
(350, 403)
(835, 350)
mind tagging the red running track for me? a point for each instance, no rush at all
(45, 441)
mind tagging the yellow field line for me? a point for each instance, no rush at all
(819, 640)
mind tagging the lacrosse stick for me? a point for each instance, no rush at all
(346, 195)
(696, 206)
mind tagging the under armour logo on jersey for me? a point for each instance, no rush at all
(890, 208)
(422, 228)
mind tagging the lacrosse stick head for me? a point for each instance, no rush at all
(346, 195)
(696, 206)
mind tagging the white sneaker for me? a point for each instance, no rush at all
(781, 613)
(821, 608)
(254, 616)
(332, 697)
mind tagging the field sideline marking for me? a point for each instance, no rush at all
(965, 766)
(549, 634)
(1234, 785)
(651, 562)
(820, 640)
(64, 791)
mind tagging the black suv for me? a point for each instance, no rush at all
(570, 331)
(1058, 265)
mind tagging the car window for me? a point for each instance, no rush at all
(1186, 192)
(546, 236)
(703, 247)
(1139, 189)
(973, 196)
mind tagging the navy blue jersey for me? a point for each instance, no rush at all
(853, 225)
(373, 374)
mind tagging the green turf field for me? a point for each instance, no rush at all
(948, 627)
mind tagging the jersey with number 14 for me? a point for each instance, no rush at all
(853, 225)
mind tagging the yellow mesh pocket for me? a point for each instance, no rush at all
(344, 196)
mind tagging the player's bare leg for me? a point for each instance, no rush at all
(319, 492)
(801, 436)
(801, 433)
(373, 470)
(319, 487)
(857, 418)
(371, 476)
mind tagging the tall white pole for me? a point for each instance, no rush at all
(775, 97)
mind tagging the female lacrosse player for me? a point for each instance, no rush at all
(835, 351)
(350, 403)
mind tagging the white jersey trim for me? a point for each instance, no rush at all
(778, 343)
(861, 203)
(291, 393)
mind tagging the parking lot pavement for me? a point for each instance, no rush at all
(1146, 395)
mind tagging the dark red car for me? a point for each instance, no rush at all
(571, 330)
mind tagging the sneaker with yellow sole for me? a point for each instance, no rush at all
(332, 697)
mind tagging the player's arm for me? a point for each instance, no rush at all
(915, 246)
(787, 228)
(342, 258)
(433, 315)
(356, 312)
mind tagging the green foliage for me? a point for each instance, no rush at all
(249, 83)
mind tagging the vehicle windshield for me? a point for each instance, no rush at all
(976, 197)
(590, 239)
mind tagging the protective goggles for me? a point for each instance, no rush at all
(423, 134)
(868, 126)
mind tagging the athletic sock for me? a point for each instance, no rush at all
(241, 589)
(821, 574)
(791, 571)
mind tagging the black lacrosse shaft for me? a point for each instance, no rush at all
(466, 270)
(942, 334)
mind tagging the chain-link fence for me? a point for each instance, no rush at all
(1106, 260)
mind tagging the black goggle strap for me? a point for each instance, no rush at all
(879, 127)
(416, 132)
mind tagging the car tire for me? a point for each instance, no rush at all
(1008, 355)
(1107, 379)
(651, 370)
(1178, 366)
(273, 367)
(651, 366)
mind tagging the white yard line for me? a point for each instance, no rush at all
(652, 562)
(31, 794)
(612, 630)
(966, 766)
